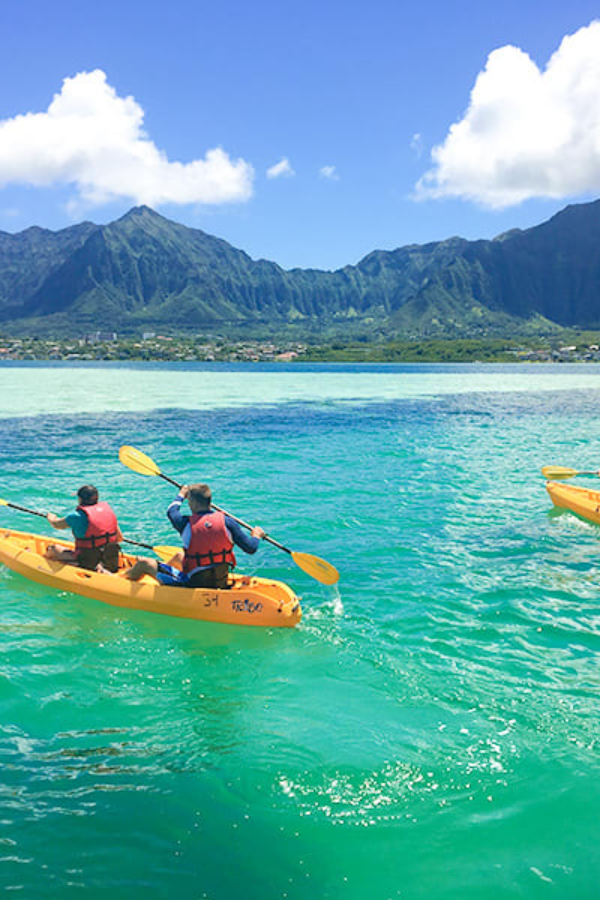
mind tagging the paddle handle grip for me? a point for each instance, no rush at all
(235, 518)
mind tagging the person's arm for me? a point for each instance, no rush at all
(248, 542)
(77, 521)
(57, 522)
(176, 518)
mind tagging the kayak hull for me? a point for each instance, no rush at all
(582, 501)
(249, 600)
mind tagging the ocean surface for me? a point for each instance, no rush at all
(428, 732)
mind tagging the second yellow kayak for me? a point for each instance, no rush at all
(582, 501)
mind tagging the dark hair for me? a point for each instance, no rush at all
(88, 495)
(200, 495)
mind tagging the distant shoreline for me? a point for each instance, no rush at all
(569, 348)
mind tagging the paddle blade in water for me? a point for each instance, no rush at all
(318, 568)
(3, 502)
(138, 461)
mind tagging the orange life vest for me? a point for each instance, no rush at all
(210, 542)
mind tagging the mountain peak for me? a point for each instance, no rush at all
(137, 212)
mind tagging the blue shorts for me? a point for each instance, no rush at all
(172, 576)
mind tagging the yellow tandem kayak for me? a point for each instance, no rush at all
(579, 500)
(249, 600)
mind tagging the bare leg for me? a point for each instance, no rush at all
(142, 567)
(61, 554)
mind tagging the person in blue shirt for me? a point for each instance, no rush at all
(96, 532)
(208, 538)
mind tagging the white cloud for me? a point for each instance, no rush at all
(93, 139)
(329, 172)
(282, 169)
(527, 133)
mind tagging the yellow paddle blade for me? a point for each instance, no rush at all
(3, 502)
(319, 569)
(558, 472)
(167, 553)
(138, 461)
(555, 472)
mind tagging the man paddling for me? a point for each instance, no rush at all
(96, 532)
(208, 538)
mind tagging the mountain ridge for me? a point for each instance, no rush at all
(144, 271)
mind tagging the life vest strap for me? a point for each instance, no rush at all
(210, 558)
(96, 540)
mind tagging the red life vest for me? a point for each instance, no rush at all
(102, 527)
(210, 542)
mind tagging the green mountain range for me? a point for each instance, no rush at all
(145, 272)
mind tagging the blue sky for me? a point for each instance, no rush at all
(301, 133)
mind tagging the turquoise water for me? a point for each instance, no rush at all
(429, 731)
